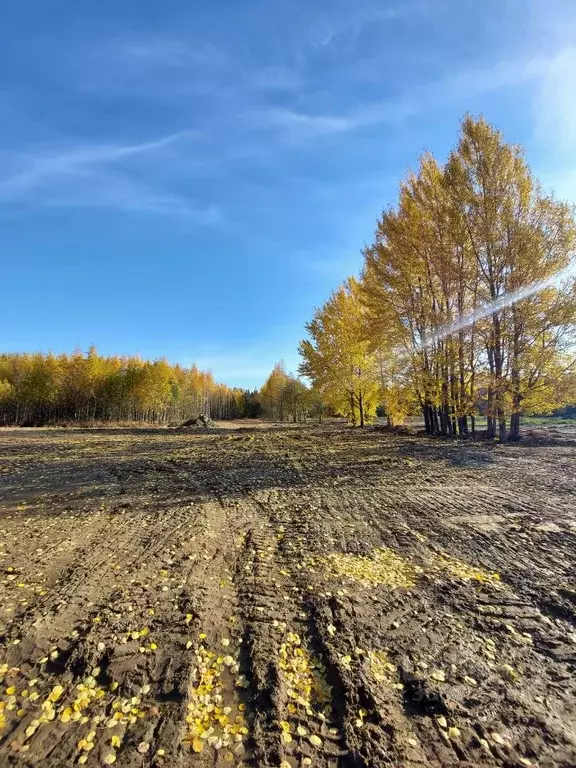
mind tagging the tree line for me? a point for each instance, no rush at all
(466, 303)
(285, 397)
(46, 388)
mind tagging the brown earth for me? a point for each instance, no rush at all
(313, 596)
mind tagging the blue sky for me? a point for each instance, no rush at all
(191, 179)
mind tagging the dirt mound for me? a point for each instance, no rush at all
(203, 422)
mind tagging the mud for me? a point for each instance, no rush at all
(312, 596)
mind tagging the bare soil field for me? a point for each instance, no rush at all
(286, 597)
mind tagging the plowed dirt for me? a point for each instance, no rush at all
(315, 596)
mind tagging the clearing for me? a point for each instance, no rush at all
(286, 597)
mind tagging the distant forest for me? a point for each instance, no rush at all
(45, 388)
(37, 389)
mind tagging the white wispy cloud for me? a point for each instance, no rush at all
(116, 192)
(461, 86)
(172, 52)
(88, 176)
(348, 20)
(275, 78)
(302, 124)
(40, 168)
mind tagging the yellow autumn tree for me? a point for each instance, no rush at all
(38, 388)
(460, 292)
(337, 357)
(284, 397)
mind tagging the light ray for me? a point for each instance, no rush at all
(495, 306)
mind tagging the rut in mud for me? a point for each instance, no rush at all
(285, 597)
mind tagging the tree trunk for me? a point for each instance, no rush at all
(498, 371)
(514, 435)
(435, 421)
(502, 428)
(490, 415)
(427, 419)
